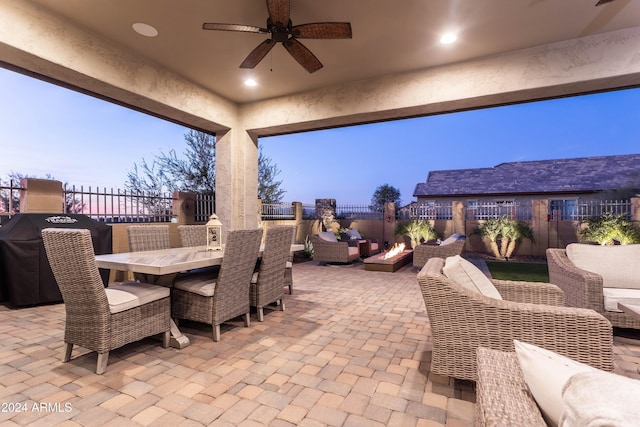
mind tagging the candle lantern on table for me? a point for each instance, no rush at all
(214, 234)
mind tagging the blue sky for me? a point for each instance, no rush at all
(85, 141)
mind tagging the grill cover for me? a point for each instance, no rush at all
(25, 275)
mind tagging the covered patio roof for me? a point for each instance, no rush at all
(394, 67)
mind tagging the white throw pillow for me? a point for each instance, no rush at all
(354, 234)
(619, 266)
(546, 373)
(600, 399)
(465, 274)
(328, 236)
(454, 237)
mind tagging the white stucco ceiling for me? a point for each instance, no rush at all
(388, 36)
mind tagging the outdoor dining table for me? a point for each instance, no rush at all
(168, 261)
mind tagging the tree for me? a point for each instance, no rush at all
(195, 171)
(609, 229)
(384, 194)
(504, 234)
(269, 190)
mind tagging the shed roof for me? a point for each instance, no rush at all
(585, 174)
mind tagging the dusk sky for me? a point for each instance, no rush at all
(81, 140)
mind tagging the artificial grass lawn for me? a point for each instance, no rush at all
(527, 271)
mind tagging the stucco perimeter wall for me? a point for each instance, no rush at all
(599, 62)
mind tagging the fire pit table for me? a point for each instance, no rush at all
(389, 264)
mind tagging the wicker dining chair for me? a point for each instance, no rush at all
(101, 319)
(267, 284)
(193, 235)
(462, 320)
(150, 238)
(216, 297)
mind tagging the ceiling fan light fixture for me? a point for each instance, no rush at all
(448, 38)
(145, 29)
(250, 83)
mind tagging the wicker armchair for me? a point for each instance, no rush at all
(150, 238)
(268, 283)
(583, 288)
(192, 235)
(502, 395)
(463, 320)
(333, 252)
(422, 253)
(215, 298)
(101, 319)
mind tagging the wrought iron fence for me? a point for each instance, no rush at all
(358, 212)
(119, 206)
(578, 210)
(487, 210)
(427, 211)
(205, 205)
(278, 211)
(9, 199)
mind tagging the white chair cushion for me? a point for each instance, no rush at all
(546, 373)
(465, 274)
(355, 234)
(374, 246)
(618, 265)
(328, 236)
(197, 284)
(124, 296)
(289, 264)
(354, 250)
(612, 296)
(600, 399)
(254, 278)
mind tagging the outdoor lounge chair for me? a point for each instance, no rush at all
(192, 235)
(215, 297)
(267, 284)
(101, 319)
(330, 250)
(463, 320)
(451, 246)
(585, 288)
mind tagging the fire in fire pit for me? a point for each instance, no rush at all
(395, 250)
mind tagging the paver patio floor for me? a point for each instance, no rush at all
(351, 349)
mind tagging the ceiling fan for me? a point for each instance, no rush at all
(281, 29)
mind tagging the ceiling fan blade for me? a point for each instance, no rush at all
(322, 30)
(303, 55)
(258, 54)
(233, 27)
(279, 11)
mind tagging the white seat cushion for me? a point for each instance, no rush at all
(374, 246)
(465, 274)
(354, 251)
(124, 296)
(289, 264)
(612, 296)
(600, 399)
(618, 265)
(546, 374)
(254, 278)
(197, 284)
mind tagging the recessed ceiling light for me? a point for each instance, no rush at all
(251, 82)
(448, 38)
(144, 29)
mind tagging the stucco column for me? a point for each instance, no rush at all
(41, 196)
(237, 179)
